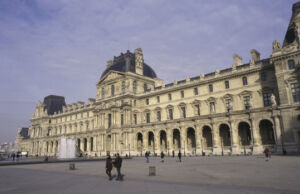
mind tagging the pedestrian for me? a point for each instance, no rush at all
(13, 156)
(108, 166)
(179, 156)
(118, 165)
(162, 157)
(147, 156)
(267, 154)
(173, 154)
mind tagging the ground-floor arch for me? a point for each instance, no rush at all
(207, 137)
(244, 134)
(176, 139)
(151, 141)
(191, 139)
(139, 142)
(224, 132)
(266, 132)
(163, 140)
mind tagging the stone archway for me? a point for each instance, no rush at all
(151, 141)
(139, 144)
(224, 132)
(191, 139)
(207, 137)
(91, 144)
(176, 139)
(85, 144)
(163, 140)
(266, 132)
(244, 134)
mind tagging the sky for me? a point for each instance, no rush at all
(61, 47)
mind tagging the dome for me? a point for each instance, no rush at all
(126, 63)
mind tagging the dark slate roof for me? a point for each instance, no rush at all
(54, 103)
(24, 132)
(119, 64)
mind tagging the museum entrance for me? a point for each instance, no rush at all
(151, 141)
(176, 139)
(244, 134)
(163, 140)
(266, 132)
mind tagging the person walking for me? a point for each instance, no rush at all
(118, 165)
(13, 156)
(108, 166)
(179, 156)
(147, 156)
(162, 157)
(267, 154)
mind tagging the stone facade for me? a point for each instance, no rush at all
(238, 110)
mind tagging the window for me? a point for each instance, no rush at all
(102, 93)
(296, 92)
(212, 107)
(245, 81)
(195, 91)
(134, 86)
(291, 64)
(112, 90)
(145, 87)
(211, 88)
(183, 111)
(122, 119)
(170, 96)
(227, 84)
(109, 120)
(147, 117)
(158, 116)
(134, 103)
(123, 87)
(263, 76)
(171, 114)
(197, 109)
(147, 101)
(182, 93)
(228, 105)
(247, 102)
(135, 119)
(158, 99)
(267, 99)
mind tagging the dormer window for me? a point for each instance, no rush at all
(112, 90)
(291, 64)
(158, 99)
(195, 91)
(211, 88)
(182, 93)
(245, 81)
(227, 84)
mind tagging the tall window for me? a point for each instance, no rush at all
(182, 93)
(112, 90)
(296, 92)
(134, 103)
(147, 117)
(170, 96)
(211, 88)
(134, 86)
(195, 91)
(226, 84)
(267, 99)
(247, 102)
(135, 119)
(145, 87)
(245, 81)
(122, 119)
(158, 99)
(212, 107)
(228, 105)
(291, 64)
(147, 101)
(263, 76)
(170, 114)
(123, 87)
(183, 111)
(158, 116)
(109, 120)
(102, 93)
(197, 109)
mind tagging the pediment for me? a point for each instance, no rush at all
(112, 75)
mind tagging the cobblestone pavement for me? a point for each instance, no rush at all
(238, 174)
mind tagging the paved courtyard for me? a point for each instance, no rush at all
(238, 174)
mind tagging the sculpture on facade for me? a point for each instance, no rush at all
(273, 100)
(276, 45)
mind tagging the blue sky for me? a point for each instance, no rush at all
(61, 47)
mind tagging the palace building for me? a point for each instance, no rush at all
(238, 110)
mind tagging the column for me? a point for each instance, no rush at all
(216, 140)
(169, 141)
(183, 141)
(257, 147)
(277, 131)
(234, 138)
(145, 141)
(198, 134)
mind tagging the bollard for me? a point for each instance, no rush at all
(72, 166)
(152, 171)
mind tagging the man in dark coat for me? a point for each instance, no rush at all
(118, 165)
(179, 156)
(108, 166)
(162, 157)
